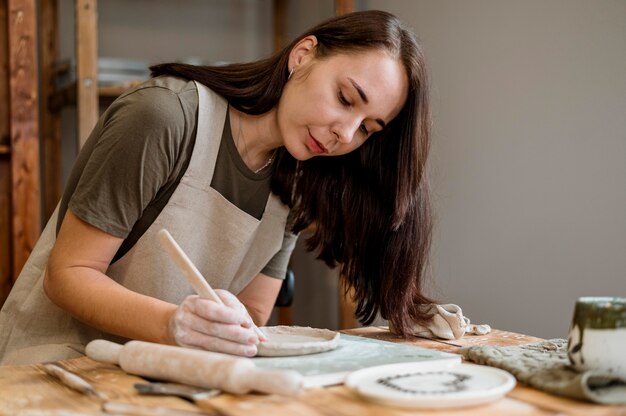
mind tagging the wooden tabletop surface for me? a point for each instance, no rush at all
(27, 390)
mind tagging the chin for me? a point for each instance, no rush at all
(300, 153)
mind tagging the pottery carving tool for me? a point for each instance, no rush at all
(79, 384)
(191, 272)
(190, 393)
(195, 367)
(71, 380)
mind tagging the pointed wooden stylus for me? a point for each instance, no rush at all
(193, 275)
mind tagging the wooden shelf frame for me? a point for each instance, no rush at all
(50, 120)
(25, 191)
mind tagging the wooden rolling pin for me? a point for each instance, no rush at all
(195, 367)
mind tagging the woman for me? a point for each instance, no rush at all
(333, 130)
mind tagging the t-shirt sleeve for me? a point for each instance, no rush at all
(134, 156)
(277, 266)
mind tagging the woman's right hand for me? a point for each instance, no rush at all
(203, 323)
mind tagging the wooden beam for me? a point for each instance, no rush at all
(347, 308)
(86, 68)
(24, 113)
(285, 314)
(5, 135)
(6, 275)
(343, 7)
(280, 24)
(50, 119)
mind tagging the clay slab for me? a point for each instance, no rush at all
(352, 353)
(296, 340)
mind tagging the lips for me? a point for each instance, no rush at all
(315, 146)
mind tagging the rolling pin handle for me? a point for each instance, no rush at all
(104, 351)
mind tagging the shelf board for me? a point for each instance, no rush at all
(67, 95)
(5, 149)
(117, 90)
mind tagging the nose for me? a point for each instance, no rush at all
(346, 130)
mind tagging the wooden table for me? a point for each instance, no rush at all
(27, 390)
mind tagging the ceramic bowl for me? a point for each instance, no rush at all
(597, 338)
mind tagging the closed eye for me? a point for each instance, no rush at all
(342, 99)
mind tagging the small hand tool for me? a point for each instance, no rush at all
(173, 389)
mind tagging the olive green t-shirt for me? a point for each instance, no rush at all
(138, 152)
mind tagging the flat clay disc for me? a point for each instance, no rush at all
(296, 340)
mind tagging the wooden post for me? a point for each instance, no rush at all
(347, 307)
(5, 136)
(285, 314)
(6, 276)
(50, 120)
(24, 114)
(280, 24)
(86, 68)
(343, 7)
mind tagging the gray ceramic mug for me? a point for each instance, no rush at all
(597, 338)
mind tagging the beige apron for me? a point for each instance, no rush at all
(228, 246)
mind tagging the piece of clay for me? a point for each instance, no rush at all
(296, 340)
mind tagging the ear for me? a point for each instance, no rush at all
(302, 52)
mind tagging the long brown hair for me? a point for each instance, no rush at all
(371, 207)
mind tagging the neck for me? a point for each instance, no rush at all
(255, 137)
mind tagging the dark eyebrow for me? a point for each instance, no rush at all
(363, 96)
(358, 89)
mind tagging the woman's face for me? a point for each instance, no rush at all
(330, 106)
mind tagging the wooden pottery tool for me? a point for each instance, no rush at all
(195, 367)
(191, 272)
(71, 380)
(79, 384)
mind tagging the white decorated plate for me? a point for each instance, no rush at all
(296, 340)
(431, 385)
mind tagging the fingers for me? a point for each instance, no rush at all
(229, 313)
(232, 301)
(235, 333)
(202, 323)
(259, 333)
(228, 298)
(199, 340)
